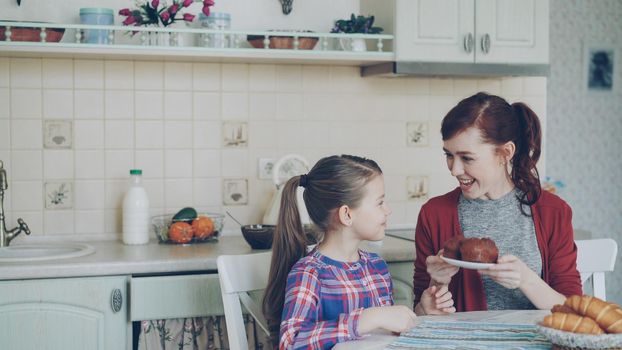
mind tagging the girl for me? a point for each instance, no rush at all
(336, 292)
(492, 148)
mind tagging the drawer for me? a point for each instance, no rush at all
(160, 297)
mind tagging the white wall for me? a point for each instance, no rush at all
(245, 14)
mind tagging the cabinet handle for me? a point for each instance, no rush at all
(116, 300)
(468, 43)
(486, 43)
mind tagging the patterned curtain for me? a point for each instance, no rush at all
(197, 333)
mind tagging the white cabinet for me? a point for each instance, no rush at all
(468, 31)
(64, 313)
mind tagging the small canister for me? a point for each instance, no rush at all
(96, 16)
(216, 21)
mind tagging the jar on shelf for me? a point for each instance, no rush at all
(216, 21)
(96, 16)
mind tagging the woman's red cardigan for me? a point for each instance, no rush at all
(552, 217)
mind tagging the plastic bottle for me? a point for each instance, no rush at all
(136, 211)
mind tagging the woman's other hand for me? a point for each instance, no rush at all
(397, 318)
(436, 300)
(509, 271)
(440, 271)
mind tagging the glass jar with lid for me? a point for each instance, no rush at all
(216, 21)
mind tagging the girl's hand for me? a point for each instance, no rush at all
(509, 272)
(397, 318)
(440, 272)
(436, 300)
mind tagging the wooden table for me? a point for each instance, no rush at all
(379, 340)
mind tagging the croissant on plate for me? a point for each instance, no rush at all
(571, 323)
(607, 315)
(564, 309)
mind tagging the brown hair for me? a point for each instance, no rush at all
(332, 182)
(500, 122)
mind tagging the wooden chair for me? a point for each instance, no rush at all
(594, 258)
(240, 274)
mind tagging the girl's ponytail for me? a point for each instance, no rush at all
(288, 246)
(528, 148)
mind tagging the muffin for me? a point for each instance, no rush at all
(451, 248)
(479, 250)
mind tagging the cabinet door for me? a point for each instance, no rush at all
(434, 30)
(512, 31)
(65, 313)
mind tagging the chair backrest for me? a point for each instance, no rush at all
(594, 258)
(240, 274)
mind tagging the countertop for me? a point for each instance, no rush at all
(115, 258)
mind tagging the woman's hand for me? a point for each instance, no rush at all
(397, 318)
(436, 301)
(510, 272)
(440, 272)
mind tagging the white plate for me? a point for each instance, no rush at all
(467, 264)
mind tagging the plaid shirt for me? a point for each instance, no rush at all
(324, 299)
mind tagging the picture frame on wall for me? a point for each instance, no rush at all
(600, 70)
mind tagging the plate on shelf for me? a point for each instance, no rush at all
(467, 264)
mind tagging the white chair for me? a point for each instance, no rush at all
(240, 274)
(594, 258)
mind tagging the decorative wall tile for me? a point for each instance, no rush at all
(417, 187)
(417, 134)
(235, 134)
(57, 134)
(235, 191)
(58, 194)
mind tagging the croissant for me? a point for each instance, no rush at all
(563, 308)
(607, 315)
(571, 323)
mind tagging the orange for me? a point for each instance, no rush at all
(203, 227)
(180, 232)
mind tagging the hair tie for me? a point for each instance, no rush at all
(303, 181)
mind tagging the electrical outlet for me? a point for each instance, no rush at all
(264, 170)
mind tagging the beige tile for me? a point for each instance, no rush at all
(89, 74)
(235, 163)
(57, 73)
(4, 103)
(465, 87)
(206, 76)
(25, 72)
(28, 195)
(262, 77)
(314, 78)
(288, 106)
(207, 192)
(148, 75)
(88, 104)
(288, 78)
(178, 134)
(178, 193)
(4, 72)
(151, 162)
(535, 86)
(489, 85)
(511, 86)
(119, 104)
(149, 134)
(206, 106)
(178, 76)
(34, 220)
(262, 106)
(234, 77)
(5, 134)
(177, 105)
(119, 134)
(58, 164)
(207, 135)
(119, 75)
(89, 134)
(178, 163)
(58, 104)
(58, 222)
(235, 106)
(112, 222)
(149, 104)
(206, 163)
(115, 190)
(89, 164)
(89, 194)
(118, 164)
(89, 222)
(26, 134)
(442, 86)
(26, 165)
(155, 191)
(26, 103)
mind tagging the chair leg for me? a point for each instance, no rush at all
(598, 283)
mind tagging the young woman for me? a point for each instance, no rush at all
(336, 292)
(492, 148)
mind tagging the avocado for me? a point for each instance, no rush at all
(186, 214)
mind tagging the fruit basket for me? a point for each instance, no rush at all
(284, 41)
(52, 35)
(172, 229)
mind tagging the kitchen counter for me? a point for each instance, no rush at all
(115, 258)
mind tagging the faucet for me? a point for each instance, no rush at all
(7, 235)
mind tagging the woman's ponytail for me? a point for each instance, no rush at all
(528, 148)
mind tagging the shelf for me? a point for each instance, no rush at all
(191, 44)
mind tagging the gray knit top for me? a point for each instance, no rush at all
(514, 233)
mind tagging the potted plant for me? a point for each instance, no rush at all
(355, 25)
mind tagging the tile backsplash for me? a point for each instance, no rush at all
(71, 129)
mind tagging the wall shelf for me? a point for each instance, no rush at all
(191, 45)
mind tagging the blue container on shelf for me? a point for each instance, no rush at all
(97, 16)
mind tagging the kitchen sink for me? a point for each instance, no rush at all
(36, 252)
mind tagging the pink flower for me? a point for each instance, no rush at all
(206, 10)
(187, 3)
(125, 12)
(129, 20)
(208, 2)
(188, 17)
(165, 16)
(173, 9)
(155, 3)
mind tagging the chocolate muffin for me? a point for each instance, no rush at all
(480, 250)
(451, 248)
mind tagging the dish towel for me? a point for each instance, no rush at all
(471, 336)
